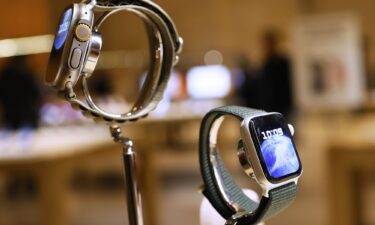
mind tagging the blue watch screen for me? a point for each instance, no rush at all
(63, 29)
(275, 146)
(58, 46)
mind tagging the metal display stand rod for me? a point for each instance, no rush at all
(133, 194)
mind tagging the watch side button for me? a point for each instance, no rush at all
(75, 59)
(242, 156)
(291, 128)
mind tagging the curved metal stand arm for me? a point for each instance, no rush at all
(133, 194)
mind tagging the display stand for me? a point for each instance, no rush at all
(209, 216)
(133, 194)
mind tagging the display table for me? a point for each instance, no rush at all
(49, 143)
(52, 154)
(47, 154)
(352, 167)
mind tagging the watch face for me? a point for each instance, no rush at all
(63, 29)
(275, 147)
(58, 45)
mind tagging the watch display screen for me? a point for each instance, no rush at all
(63, 30)
(58, 45)
(275, 146)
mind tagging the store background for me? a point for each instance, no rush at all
(74, 161)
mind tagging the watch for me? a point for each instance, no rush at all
(77, 47)
(267, 154)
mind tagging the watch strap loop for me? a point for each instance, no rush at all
(251, 212)
(164, 46)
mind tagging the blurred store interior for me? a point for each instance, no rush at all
(313, 60)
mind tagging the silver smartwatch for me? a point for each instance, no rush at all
(267, 154)
(77, 47)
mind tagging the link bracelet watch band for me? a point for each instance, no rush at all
(151, 6)
(165, 44)
(240, 210)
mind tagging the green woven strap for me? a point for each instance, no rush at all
(277, 199)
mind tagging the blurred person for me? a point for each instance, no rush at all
(19, 95)
(276, 76)
(247, 83)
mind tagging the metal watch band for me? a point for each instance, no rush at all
(246, 211)
(164, 47)
(152, 6)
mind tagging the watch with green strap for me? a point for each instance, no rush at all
(267, 154)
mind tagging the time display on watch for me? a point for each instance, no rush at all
(275, 147)
(270, 133)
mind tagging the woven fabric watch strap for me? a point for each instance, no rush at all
(277, 199)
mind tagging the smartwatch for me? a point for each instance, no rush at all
(77, 47)
(267, 154)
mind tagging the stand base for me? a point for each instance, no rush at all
(209, 216)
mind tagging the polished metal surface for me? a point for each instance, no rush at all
(75, 59)
(133, 194)
(165, 44)
(244, 161)
(65, 72)
(92, 57)
(90, 3)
